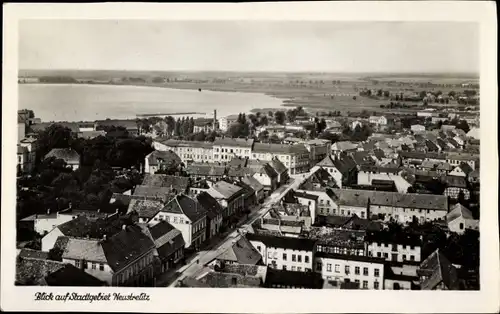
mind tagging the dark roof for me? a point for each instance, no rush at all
(351, 257)
(183, 204)
(226, 280)
(376, 169)
(253, 183)
(240, 172)
(238, 162)
(363, 158)
(437, 268)
(454, 181)
(164, 157)
(145, 208)
(210, 204)
(356, 223)
(128, 124)
(361, 198)
(241, 252)
(30, 271)
(154, 192)
(164, 180)
(66, 154)
(393, 238)
(126, 246)
(379, 153)
(280, 148)
(124, 199)
(29, 253)
(389, 274)
(278, 166)
(310, 280)
(466, 168)
(351, 239)
(167, 239)
(205, 169)
(299, 244)
(306, 195)
(70, 276)
(237, 142)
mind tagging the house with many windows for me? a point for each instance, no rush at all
(293, 254)
(186, 215)
(367, 272)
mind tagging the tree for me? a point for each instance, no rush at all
(200, 136)
(270, 113)
(280, 117)
(263, 120)
(191, 126)
(463, 125)
(178, 127)
(170, 121)
(387, 94)
(239, 130)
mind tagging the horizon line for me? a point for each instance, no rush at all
(265, 71)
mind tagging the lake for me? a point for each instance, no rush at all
(78, 102)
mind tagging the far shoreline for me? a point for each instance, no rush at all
(185, 86)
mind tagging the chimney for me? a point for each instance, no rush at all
(104, 237)
(70, 205)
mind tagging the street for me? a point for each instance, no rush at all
(197, 262)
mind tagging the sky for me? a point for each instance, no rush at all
(293, 46)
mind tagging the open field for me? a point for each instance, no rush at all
(316, 91)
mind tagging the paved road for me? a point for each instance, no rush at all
(196, 265)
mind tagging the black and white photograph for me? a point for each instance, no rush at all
(273, 154)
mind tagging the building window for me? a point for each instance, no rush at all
(319, 266)
(328, 267)
(284, 256)
(379, 254)
(386, 255)
(77, 264)
(461, 226)
(85, 265)
(356, 281)
(347, 269)
(337, 268)
(365, 284)
(404, 257)
(293, 268)
(356, 270)
(269, 255)
(258, 248)
(94, 265)
(375, 284)
(284, 267)
(412, 258)
(299, 258)
(377, 272)
(293, 257)
(101, 266)
(365, 271)
(306, 259)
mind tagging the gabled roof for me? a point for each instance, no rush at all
(183, 204)
(237, 142)
(437, 268)
(454, 181)
(66, 154)
(167, 239)
(299, 244)
(154, 192)
(125, 247)
(241, 252)
(267, 170)
(278, 166)
(227, 190)
(205, 170)
(30, 271)
(145, 208)
(326, 162)
(459, 211)
(466, 168)
(81, 249)
(70, 276)
(306, 195)
(253, 183)
(163, 180)
(210, 204)
(308, 280)
(164, 157)
(238, 162)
